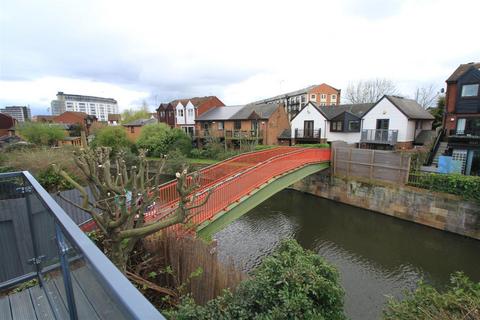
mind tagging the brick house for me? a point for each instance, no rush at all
(462, 117)
(134, 128)
(82, 119)
(7, 125)
(181, 113)
(233, 124)
(321, 95)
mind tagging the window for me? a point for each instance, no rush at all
(470, 90)
(220, 125)
(303, 99)
(336, 126)
(382, 124)
(180, 112)
(313, 97)
(190, 113)
(323, 96)
(162, 114)
(333, 97)
(353, 125)
(132, 129)
(237, 125)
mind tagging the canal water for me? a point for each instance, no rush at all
(377, 255)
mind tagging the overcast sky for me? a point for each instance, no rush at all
(238, 50)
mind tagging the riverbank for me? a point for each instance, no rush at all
(437, 210)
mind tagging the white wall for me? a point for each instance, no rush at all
(348, 137)
(178, 119)
(398, 121)
(308, 113)
(190, 118)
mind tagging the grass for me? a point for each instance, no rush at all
(202, 161)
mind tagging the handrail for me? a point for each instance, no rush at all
(130, 300)
(435, 147)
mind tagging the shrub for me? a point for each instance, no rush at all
(41, 133)
(159, 139)
(52, 181)
(466, 186)
(176, 160)
(290, 284)
(461, 300)
(114, 137)
(314, 145)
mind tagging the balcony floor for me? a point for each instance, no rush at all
(32, 303)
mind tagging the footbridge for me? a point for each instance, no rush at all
(239, 184)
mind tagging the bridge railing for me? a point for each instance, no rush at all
(234, 188)
(211, 174)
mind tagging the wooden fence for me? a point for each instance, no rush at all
(371, 164)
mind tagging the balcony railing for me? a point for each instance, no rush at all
(475, 132)
(379, 136)
(231, 134)
(75, 279)
(308, 134)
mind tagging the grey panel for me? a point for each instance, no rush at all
(56, 299)
(40, 304)
(5, 312)
(22, 306)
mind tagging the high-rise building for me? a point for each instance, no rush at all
(95, 106)
(20, 113)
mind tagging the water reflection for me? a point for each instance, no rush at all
(377, 255)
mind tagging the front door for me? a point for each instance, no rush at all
(308, 129)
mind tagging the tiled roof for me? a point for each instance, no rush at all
(410, 108)
(462, 69)
(358, 110)
(245, 112)
(139, 122)
(219, 113)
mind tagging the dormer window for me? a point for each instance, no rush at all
(470, 90)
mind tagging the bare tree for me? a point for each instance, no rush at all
(121, 197)
(369, 91)
(426, 96)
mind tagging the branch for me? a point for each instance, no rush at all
(152, 228)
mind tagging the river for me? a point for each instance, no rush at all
(377, 255)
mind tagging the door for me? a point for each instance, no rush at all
(308, 129)
(381, 134)
(254, 128)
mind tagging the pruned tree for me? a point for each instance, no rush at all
(426, 96)
(121, 197)
(369, 91)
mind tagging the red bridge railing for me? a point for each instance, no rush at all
(234, 187)
(214, 173)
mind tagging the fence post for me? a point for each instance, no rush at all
(372, 161)
(349, 163)
(408, 169)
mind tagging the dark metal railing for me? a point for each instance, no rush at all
(474, 132)
(308, 134)
(435, 146)
(45, 244)
(381, 136)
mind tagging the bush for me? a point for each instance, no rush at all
(314, 145)
(53, 182)
(176, 160)
(114, 137)
(159, 139)
(461, 300)
(290, 284)
(41, 133)
(466, 186)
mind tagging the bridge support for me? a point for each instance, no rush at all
(207, 229)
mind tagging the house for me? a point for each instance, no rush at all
(83, 120)
(321, 95)
(43, 118)
(390, 123)
(7, 125)
(114, 119)
(134, 128)
(185, 111)
(232, 124)
(462, 117)
(394, 122)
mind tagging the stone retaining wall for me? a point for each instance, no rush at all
(437, 210)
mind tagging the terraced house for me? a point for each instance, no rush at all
(233, 124)
(462, 117)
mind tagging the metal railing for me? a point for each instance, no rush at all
(230, 190)
(435, 147)
(381, 136)
(474, 132)
(308, 134)
(43, 243)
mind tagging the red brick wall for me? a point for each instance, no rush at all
(325, 89)
(6, 122)
(450, 100)
(277, 123)
(133, 133)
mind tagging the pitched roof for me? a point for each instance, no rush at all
(139, 122)
(219, 113)
(114, 117)
(357, 110)
(257, 111)
(462, 69)
(410, 108)
(196, 101)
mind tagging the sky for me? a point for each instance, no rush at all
(240, 51)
